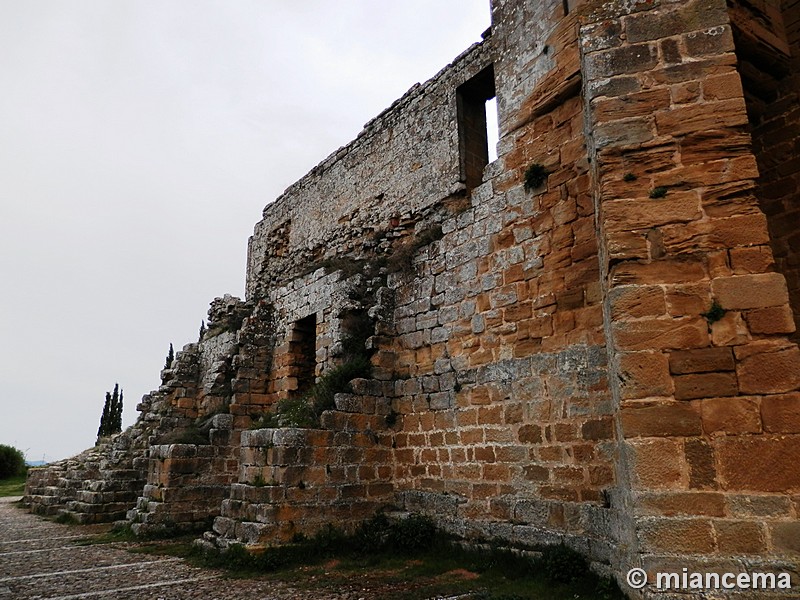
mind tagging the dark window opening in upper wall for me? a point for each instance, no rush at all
(473, 137)
(303, 346)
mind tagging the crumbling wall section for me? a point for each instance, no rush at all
(300, 481)
(193, 450)
(402, 163)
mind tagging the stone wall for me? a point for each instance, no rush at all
(500, 352)
(706, 397)
(404, 161)
(767, 45)
(587, 341)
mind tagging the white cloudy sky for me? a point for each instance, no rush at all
(139, 142)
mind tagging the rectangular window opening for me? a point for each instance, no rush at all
(304, 353)
(492, 128)
(473, 130)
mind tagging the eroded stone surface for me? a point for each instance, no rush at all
(601, 355)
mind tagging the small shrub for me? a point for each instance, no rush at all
(658, 192)
(413, 534)
(562, 564)
(337, 381)
(12, 462)
(405, 536)
(715, 313)
(373, 535)
(292, 412)
(535, 176)
(358, 327)
(629, 177)
(268, 421)
(306, 410)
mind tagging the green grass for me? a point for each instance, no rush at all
(410, 559)
(394, 560)
(13, 486)
(441, 573)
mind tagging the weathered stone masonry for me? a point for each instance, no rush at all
(604, 358)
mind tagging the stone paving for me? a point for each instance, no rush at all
(40, 560)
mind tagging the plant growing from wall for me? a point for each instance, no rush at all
(535, 175)
(658, 192)
(306, 410)
(170, 357)
(202, 330)
(715, 313)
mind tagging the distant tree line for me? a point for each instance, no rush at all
(12, 462)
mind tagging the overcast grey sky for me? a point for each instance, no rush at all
(139, 142)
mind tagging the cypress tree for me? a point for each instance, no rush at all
(170, 357)
(115, 414)
(202, 329)
(111, 419)
(102, 431)
(118, 415)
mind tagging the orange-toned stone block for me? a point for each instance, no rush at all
(702, 117)
(740, 537)
(781, 414)
(656, 463)
(676, 535)
(750, 291)
(776, 319)
(705, 385)
(637, 301)
(658, 334)
(768, 372)
(629, 215)
(759, 463)
(757, 259)
(663, 271)
(644, 374)
(688, 300)
(730, 415)
(660, 420)
(723, 87)
(672, 503)
(730, 330)
(701, 360)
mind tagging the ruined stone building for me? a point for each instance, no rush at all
(591, 339)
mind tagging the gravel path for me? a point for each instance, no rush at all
(40, 561)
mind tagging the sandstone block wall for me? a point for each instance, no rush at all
(300, 481)
(603, 356)
(695, 386)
